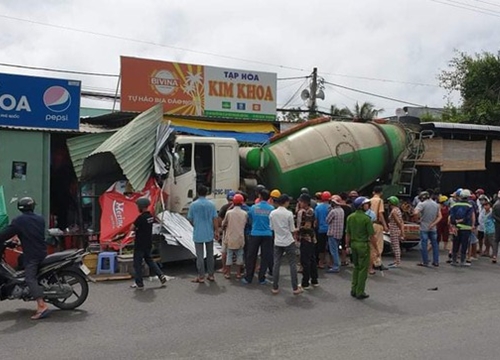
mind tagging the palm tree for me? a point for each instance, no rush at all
(365, 112)
(340, 113)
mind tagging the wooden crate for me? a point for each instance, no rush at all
(90, 261)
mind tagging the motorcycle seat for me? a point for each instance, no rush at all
(58, 256)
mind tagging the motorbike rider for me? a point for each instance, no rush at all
(30, 229)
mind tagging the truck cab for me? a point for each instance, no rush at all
(213, 162)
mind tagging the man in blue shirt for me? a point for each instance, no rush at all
(463, 218)
(203, 215)
(320, 214)
(261, 236)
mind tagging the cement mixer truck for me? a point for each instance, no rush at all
(320, 154)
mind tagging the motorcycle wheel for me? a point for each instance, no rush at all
(77, 282)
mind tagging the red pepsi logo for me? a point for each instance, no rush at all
(57, 99)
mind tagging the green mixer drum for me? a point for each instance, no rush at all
(334, 156)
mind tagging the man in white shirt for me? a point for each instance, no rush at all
(281, 221)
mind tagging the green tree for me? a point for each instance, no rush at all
(337, 112)
(364, 112)
(477, 79)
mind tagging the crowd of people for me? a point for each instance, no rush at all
(327, 231)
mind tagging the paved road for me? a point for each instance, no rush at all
(226, 320)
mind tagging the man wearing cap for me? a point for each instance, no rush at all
(379, 225)
(320, 214)
(463, 218)
(359, 235)
(335, 220)
(261, 236)
(306, 237)
(281, 220)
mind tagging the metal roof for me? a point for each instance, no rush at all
(461, 127)
(84, 129)
(129, 151)
(82, 146)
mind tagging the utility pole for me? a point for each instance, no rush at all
(314, 88)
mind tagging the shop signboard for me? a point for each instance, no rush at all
(35, 102)
(197, 90)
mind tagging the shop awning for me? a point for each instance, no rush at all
(248, 131)
(256, 138)
(129, 151)
(82, 146)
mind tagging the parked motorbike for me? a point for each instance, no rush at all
(62, 275)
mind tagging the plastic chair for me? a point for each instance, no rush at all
(106, 263)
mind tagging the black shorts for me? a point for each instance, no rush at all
(480, 235)
(322, 240)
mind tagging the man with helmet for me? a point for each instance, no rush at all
(30, 229)
(320, 214)
(258, 189)
(430, 216)
(359, 235)
(222, 214)
(143, 228)
(234, 224)
(463, 218)
(396, 229)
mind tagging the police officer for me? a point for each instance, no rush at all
(30, 229)
(359, 234)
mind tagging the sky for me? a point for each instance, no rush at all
(393, 48)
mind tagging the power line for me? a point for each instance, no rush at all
(379, 79)
(488, 3)
(123, 38)
(294, 78)
(472, 6)
(187, 50)
(467, 8)
(58, 70)
(375, 95)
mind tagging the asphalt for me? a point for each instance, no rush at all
(405, 318)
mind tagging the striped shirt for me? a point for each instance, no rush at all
(335, 221)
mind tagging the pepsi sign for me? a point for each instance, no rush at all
(28, 101)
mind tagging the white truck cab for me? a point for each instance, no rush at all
(213, 162)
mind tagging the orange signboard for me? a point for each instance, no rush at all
(196, 90)
(148, 82)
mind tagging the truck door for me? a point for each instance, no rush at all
(182, 188)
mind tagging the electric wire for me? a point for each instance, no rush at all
(123, 38)
(466, 8)
(374, 95)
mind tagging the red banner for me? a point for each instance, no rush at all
(119, 212)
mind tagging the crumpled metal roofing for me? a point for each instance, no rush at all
(129, 151)
(82, 146)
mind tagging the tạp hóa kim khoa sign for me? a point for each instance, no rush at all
(197, 90)
(36, 102)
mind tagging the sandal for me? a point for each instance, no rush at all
(423, 265)
(198, 280)
(212, 278)
(298, 291)
(227, 276)
(238, 276)
(41, 314)
(372, 272)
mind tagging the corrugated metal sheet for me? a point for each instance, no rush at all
(130, 150)
(180, 229)
(82, 146)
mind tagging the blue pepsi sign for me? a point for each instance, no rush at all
(28, 101)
